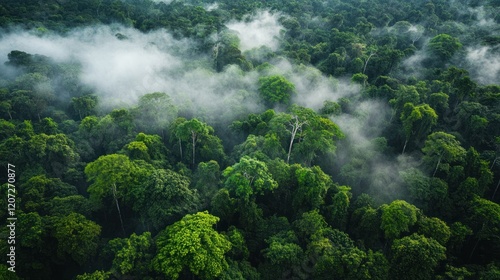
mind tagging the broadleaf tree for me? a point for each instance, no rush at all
(194, 244)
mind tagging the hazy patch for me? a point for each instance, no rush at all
(483, 17)
(121, 64)
(412, 65)
(385, 180)
(313, 88)
(122, 70)
(261, 29)
(164, 1)
(484, 64)
(211, 7)
(363, 155)
(364, 124)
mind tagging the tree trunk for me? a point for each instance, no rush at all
(180, 147)
(98, 8)
(437, 166)
(295, 127)
(475, 245)
(118, 208)
(193, 136)
(404, 147)
(393, 114)
(491, 167)
(290, 147)
(473, 250)
(368, 59)
(496, 189)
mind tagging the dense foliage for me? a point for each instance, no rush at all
(364, 143)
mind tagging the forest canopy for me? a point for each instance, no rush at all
(338, 139)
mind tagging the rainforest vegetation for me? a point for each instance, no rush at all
(229, 139)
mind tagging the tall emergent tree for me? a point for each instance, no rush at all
(110, 176)
(192, 131)
(307, 133)
(247, 178)
(441, 146)
(417, 121)
(155, 112)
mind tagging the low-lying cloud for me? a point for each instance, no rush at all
(363, 157)
(313, 88)
(366, 123)
(261, 29)
(121, 64)
(484, 64)
(483, 17)
(119, 70)
(122, 70)
(164, 1)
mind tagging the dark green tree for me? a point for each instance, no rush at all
(163, 197)
(276, 89)
(415, 257)
(441, 147)
(155, 111)
(417, 121)
(434, 228)
(444, 46)
(96, 275)
(76, 237)
(397, 217)
(84, 106)
(132, 255)
(191, 132)
(111, 176)
(207, 180)
(313, 185)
